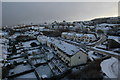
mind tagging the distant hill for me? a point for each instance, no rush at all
(109, 20)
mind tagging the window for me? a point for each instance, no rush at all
(79, 57)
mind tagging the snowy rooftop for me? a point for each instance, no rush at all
(15, 35)
(71, 34)
(105, 24)
(65, 47)
(77, 34)
(115, 38)
(28, 43)
(90, 35)
(43, 38)
(31, 32)
(64, 33)
(3, 40)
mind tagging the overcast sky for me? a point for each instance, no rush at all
(14, 13)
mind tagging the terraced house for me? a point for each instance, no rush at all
(79, 37)
(70, 54)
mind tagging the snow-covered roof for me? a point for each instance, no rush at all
(31, 32)
(71, 34)
(90, 35)
(42, 39)
(79, 35)
(3, 40)
(116, 38)
(69, 49)
(27, 44)
(64, 33)
(3, 33)
(105, 24)
(15, 35)
(103, 28)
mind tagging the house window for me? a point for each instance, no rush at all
(79, 57)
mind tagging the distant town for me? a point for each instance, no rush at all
(61, 50)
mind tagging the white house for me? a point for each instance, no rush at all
(42, 39)
(70, 54)
(79, 37)
(89, 37)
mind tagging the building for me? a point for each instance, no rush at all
(79, 37)
(42, 39)
(67, 35)
(70, 54)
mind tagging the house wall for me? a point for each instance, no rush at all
(48, 44)
(63, 57)
(42, 41)
(84, 38)
(75, 60)
(70, 61)
(60, 54)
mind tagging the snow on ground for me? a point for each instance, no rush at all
(111, 67)
(35, 50)
(92, 56)
(105, 24)
(3, 33)
(105, 51)
(15, 35)
(31, 33)
(3, 48)
(27, 44)
(44, 70)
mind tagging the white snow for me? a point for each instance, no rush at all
(15, 35)
(27, 44)
(35, 50)
(116, 38)
(101, 46)
(105, 24)
(3, 47)
(31, 33)
(78, 35)
(42, 39)
(3, 33)
(110, 67)
(65, 47)
(92, 56)
(62, 45)
(105, 51)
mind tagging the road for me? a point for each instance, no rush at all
(102, 39)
